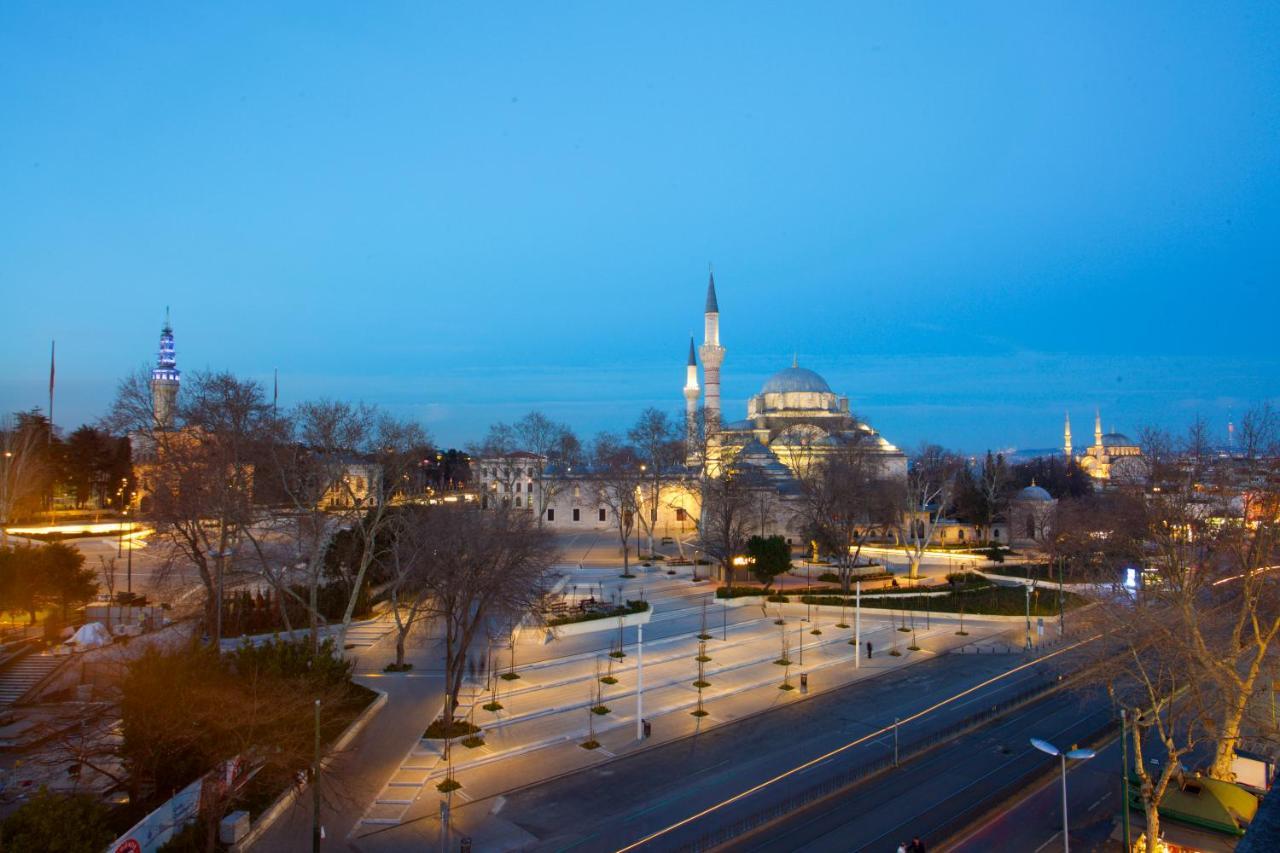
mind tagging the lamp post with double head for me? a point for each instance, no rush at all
(1075, 755)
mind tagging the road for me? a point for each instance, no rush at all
(608, 806)
(945, 786)
(1035, 823)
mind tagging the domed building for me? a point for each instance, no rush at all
(1113, 456)
(795, 417)
(1031, 513)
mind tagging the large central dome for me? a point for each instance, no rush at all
(795, 379)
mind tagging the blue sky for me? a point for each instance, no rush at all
(968, 217)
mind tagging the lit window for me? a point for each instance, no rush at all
(679, 513)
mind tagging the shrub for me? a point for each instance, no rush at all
(458, 728)
(67, 823)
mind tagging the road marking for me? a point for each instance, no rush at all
(800, 768)
(1050, 841)
(1097, 803)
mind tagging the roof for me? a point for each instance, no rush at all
(1033, 493)
(693, 359)
(713, 307)
(795, 379)
(1117, 439)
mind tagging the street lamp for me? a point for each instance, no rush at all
(1075, 755)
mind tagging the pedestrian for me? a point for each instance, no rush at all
(902, 847)
(868, 648)
(917, 846)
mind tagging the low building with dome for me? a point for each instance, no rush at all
(1031, 512)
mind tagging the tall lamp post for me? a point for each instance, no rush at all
(1075, 755)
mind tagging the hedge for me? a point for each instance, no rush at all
(612, 613)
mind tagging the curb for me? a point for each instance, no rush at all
(289, 797)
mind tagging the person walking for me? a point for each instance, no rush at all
(902, 847)
(868, 648)
(917, 846)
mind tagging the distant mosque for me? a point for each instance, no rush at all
(795, 417)
(1113, 456)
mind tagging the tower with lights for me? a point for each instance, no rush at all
(165, 379)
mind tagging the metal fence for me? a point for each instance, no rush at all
(864, 771)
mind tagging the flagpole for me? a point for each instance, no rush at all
(52, 350)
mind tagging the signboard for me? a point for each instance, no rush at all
(154, 831)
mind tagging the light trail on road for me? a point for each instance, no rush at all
(859, 741)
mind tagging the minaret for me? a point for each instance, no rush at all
(1066, 436)
(691, 392)
(164, 379)
(712, 357)
(1097, 428)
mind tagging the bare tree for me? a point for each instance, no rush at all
(843, 499)
(408, 561)
(922, 499)
(197, 481)
(23, 464)
(730, 502)
(483, 569)
(343, 467)
(660, 445)
(616, 476)
(555, 449)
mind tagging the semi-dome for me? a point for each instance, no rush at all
(795, 379)
(1033, 493)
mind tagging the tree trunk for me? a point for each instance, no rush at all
(913, 561)
(1228, 737)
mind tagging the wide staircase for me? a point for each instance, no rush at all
(23, 674)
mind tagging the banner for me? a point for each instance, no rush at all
(154, 831)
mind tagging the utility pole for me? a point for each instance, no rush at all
(857, 624)
(639, 682)
(1028, 589)
(315, 788)
(1062, 615)
(1124, 778)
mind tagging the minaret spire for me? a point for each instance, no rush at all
(691, 391)
(712, 357)
(1066, 436)
(1097, 427)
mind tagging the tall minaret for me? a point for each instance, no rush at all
(164, 379)
(1066, 436)
(691, 392)
(1097, 428)
(712, 357)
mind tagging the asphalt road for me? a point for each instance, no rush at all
(616, 804)
(950, 783)
(1035, 823)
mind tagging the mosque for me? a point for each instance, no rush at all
(795, 417)
(1113, 456)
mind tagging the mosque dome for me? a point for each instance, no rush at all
(795, 379)
(1117, 439)
(1033, 493)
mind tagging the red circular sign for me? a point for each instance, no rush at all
(129, 846)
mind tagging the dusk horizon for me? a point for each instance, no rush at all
(970, 224)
